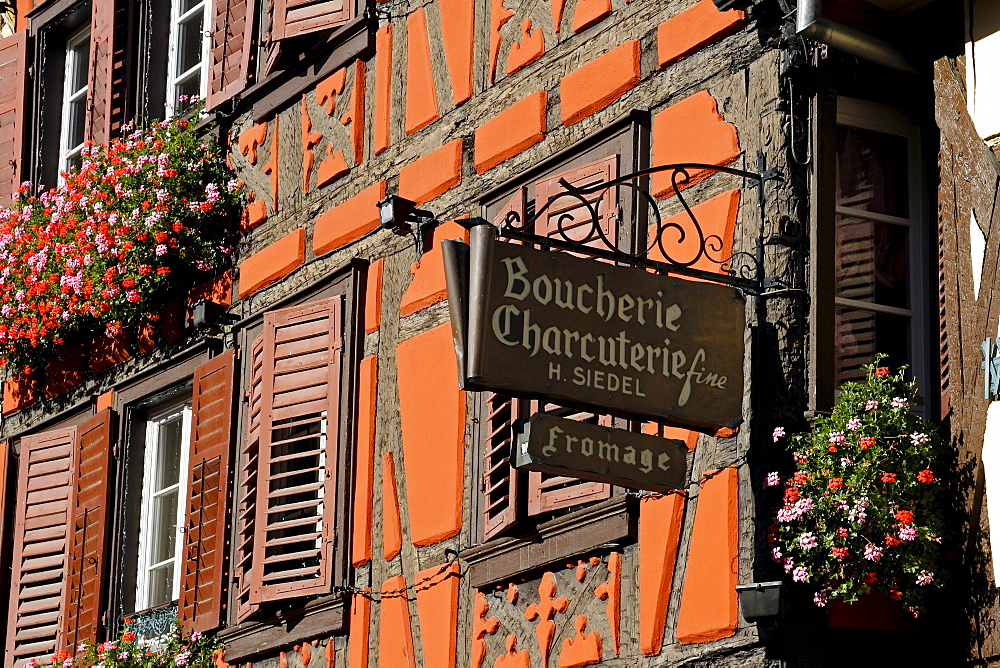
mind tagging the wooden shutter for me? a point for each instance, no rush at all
(299, 17)
(576, 216)
(500, 482)
(13, 74)
(203, 571)
(248, 487)
(230, 50)
(87, 537)
(547, 492)
(44, 500)
(295, 469)
(105, 81)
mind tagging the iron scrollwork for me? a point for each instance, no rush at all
(155, 622)
(578, 227)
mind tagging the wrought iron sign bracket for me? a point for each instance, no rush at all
(579, 211)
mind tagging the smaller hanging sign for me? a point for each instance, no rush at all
(587, 451)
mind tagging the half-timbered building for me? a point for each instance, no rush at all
(287, 460)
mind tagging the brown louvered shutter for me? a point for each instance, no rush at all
(87, 538)
(297, 459)
(299, 17)
(106, 71)
(570, 213)
(248, 485)
(203, 570)
(231, 46)
(501, 482)
(13, 74)
(547, 492)
(44, 499)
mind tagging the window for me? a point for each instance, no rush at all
(292, 485)
(164, 489)
(880, 281)
(188, 57)
(60, 550)
(74, 107)
(289, 483)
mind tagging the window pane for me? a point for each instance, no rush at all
(190, 87)
(186, 5)
(168, 460)
(872, 171)
(75, 118)
(190, 39)
(163, 531)
(872, 262)
(160, 587)
(860, 334)
(77, 65)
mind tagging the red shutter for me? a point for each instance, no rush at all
(299, 17)
(231, 47)
(248, 486)
(297, 460)
(203, 576)
(547, 492)
(44, 499)
(501, 499)
(87, 538)
(105, 70)
(13, 74)
(576, 216)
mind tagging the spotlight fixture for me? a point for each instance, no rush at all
(400, 215)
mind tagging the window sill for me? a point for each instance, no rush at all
(580, 532)
(319, 617)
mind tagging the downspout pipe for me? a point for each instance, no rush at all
(810, 23)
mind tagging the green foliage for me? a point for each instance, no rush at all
(865, 510)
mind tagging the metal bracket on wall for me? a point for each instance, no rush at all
(742, 269)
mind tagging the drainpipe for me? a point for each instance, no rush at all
(811, 24)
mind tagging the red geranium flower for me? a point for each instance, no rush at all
(904, 516)
(882, 371)
(888, 477)
(925, 476)
(835, 483)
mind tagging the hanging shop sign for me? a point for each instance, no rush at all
(586, 333)
(586, 451)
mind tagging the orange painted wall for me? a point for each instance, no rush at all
(392, 531)
(395, 637)
(660, 523)
(432, 410)
(708, 600)
(357, 647)
(684, 34)
(691, 130)
(364, 462)
(437, 606)
(428, 286)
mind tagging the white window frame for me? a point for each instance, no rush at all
(71, 97)
(882, 118)
(175, 78)
(145, 529)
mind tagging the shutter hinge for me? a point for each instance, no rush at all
(482, 483)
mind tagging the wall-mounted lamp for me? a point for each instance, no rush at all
(400, 215)
(207, 314)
